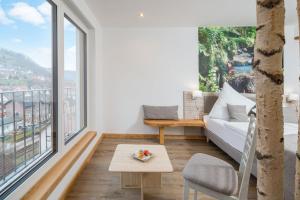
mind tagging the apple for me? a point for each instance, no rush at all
(146, 152)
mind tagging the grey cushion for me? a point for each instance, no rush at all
(237, 113)
(211, 173)
(161, 112)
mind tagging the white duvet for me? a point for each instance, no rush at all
(234, 133)
(242, 127)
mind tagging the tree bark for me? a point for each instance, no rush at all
(269, 90)
(297, 177)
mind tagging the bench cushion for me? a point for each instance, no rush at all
(211, 173)
(161, 112)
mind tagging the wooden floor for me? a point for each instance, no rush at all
(97, 183)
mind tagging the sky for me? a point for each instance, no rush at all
(26, 27)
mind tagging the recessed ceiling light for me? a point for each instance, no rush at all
(141, 14)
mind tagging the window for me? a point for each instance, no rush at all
(28, 88)
(74, 107)
(29, 85)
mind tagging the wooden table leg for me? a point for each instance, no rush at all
(142, 188)
(161, 135)
(150, 180)
(131, 180)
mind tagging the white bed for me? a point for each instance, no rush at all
(234, 133)
(230, 136)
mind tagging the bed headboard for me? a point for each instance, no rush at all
(209, 101)
(196, 108)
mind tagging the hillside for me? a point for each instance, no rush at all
(18, 71)
(19, 62)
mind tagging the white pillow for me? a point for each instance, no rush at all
(229, 95)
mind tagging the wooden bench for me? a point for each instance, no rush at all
(161, 124)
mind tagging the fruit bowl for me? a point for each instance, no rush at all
(142, 155)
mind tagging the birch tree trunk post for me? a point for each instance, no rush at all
(297, 177)
(269, 90)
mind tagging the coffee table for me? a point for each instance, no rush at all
(137, 174)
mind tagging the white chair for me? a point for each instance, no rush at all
(218, 178)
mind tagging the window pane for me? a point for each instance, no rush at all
(74, 79)
(26, 86)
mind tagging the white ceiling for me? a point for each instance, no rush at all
(180, 13)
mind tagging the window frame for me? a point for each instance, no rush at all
(68, 15)
(55, 99)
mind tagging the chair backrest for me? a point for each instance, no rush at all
(247, 159)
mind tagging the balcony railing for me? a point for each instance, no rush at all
(26, 130)
(69, 108)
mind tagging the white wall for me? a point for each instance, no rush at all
(154, 66)
(146, 66)
(291, 60)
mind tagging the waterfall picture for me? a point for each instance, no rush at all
(226, 55)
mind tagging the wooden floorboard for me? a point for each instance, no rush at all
(97, 183)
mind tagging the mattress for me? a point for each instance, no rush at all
(234, 133)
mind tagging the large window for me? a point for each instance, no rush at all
(74, 107)
(28, 88)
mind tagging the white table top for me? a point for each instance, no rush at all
(122, 160)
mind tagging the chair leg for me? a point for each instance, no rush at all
(186, 190)
(195, 195)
